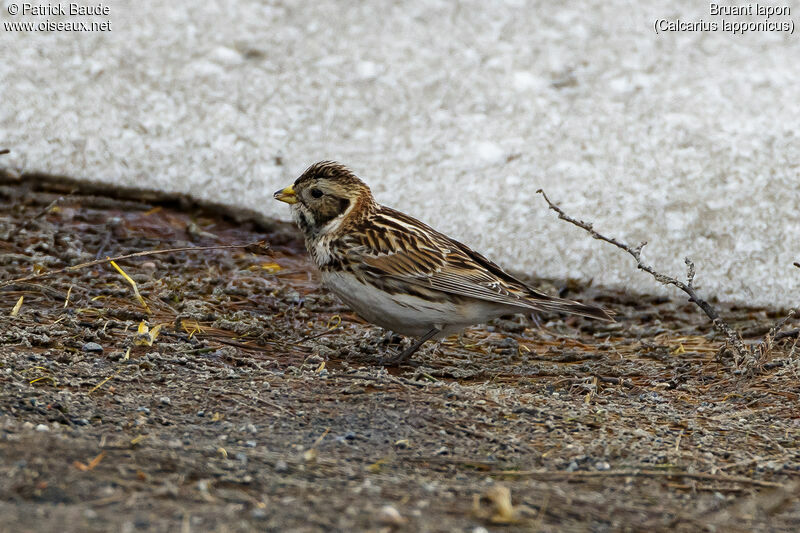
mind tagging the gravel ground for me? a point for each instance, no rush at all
(260, 404)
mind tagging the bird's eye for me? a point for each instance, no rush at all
(316, 193)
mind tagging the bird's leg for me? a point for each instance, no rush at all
(408, 352)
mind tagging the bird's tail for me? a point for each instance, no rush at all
(560, 305)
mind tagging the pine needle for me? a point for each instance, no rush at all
(90, 466)
(66, 302)
(103, 382)
(133, 284)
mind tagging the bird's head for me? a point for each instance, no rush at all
(324, 195)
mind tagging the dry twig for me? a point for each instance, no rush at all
(262, 246)
(742, 354)
(731, 335)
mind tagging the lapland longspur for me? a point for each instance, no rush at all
(398, 273)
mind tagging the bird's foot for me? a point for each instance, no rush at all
(399, 358)
(403, 357)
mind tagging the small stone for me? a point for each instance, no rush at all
(241, 457)
(82, 421)
(602, 465)
(250, 444)
(92, 347)
(143, 409)
(281, 466)
(314, 359)
(43, 427)
(390, 516)
(165, 400)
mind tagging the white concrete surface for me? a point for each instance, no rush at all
(456, 112)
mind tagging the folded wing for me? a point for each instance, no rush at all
(394, 245)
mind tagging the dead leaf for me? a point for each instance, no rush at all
(499, 509)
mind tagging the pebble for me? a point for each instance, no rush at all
(390, 516)
(143, 409)
(165, 400)
(92, 347)
(281, 466)
(250, 444)
(42, 427)
(602, 465)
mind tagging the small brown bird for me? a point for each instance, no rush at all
(398, 273)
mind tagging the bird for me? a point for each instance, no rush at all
(399, 273)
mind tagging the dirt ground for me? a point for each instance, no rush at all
(260, 404)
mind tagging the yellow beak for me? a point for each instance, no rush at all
(286, 195)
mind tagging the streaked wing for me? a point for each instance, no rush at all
(397, 246)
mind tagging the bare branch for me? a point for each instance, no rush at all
(732, 336)
(690, 274)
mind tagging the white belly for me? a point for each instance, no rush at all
(406, 314)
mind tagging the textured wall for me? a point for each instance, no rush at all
(455, 113)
